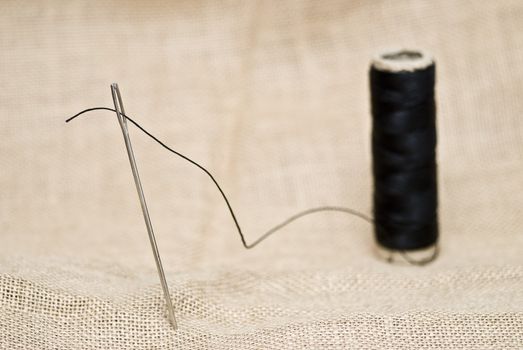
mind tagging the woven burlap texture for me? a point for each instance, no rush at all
(273, 97)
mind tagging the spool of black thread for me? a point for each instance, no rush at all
(404, 152)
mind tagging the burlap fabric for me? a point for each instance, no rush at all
(273, 97)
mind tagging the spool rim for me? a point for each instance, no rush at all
(402, 60)
(408, 257)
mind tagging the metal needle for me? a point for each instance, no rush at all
(118, 106)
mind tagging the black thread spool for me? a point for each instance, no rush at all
(404, 156)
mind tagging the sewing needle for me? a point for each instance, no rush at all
(118, 106)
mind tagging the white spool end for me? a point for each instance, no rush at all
(402, 60)
(408, 257)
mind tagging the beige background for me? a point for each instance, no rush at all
(271, 96)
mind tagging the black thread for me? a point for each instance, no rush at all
(231, 211)
(404, 157)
